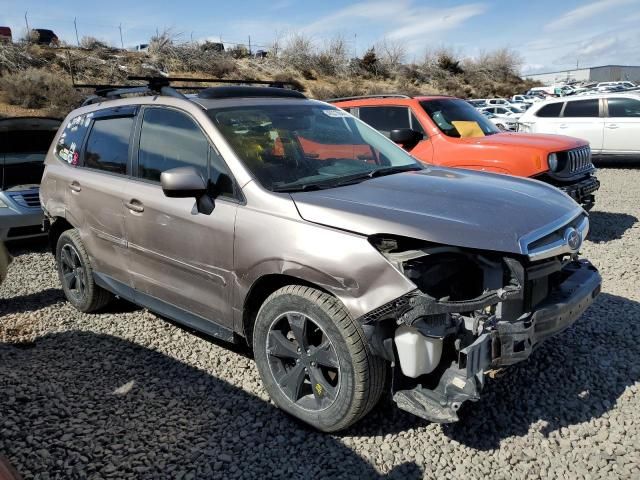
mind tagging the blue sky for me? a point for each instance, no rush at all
(550, 35)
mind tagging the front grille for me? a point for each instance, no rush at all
(577, 160)
(27, 199)
(553, 242)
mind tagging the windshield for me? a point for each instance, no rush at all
(304, 147)
(456, 118)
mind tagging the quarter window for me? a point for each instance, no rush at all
(108, 145)
(169, 139)
(68, 146)
(551, 110)
(582, 108)
(385, 119)
(624, 107)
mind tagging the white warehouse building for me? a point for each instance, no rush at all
(605, 73)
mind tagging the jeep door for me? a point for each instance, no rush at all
(95, 184)
(179, 256)
(385, 118)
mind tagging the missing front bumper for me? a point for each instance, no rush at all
(506, 343)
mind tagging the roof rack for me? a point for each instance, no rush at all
(163, 86)
(358, 97)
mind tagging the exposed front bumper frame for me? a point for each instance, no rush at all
(506, 343)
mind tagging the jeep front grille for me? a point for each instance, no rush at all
(578, 160)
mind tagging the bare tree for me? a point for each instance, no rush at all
(392, 53)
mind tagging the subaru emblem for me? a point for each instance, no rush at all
(573, 238)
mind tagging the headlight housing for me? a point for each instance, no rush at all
(2, 204)
(553, 162)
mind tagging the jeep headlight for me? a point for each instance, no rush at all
(553, 162)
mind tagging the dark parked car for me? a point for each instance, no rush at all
(255, 214)
(24, 142)
(43, 36)
(5, 35)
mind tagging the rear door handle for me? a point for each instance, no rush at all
(563, 125)
(135, 205)
(612, 125)
(75, 186)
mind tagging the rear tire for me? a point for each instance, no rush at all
(314, 360)
(76, 274)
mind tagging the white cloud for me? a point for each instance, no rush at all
(585, 12)
(400, 20)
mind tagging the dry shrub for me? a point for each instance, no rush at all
(38, 88)
(92, 43)
(15, 56)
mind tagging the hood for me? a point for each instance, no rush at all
(548, 143)
(24, 142)
(454, 207)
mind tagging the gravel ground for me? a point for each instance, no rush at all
(124, 394)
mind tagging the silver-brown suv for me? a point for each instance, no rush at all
(256, 214)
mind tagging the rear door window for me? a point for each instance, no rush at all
(624, 107)
(551, 110)
(385, 119)
(582, 108)
(108, 145)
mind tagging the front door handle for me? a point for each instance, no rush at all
(612, 125)
(135, 206)
(75, 186)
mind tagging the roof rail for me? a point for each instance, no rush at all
(162, 86)
(358, 97)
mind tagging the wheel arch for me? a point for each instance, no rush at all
(260, 291)
(59, 225)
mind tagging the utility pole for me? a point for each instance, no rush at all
(75, 25)
(249, 45)
(121, 41)
(27, 22)
(355, 43)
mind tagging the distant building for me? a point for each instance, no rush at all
(605, 73)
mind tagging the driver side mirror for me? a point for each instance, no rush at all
(186, 182)
(406, 137)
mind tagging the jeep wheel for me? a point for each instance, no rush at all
(313, 359)
(76, 275)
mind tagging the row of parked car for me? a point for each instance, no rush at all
(332, 237)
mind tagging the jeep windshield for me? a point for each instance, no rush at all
(456, 118)
(308, 146)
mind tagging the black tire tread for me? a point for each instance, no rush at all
(369, 369)
(99, 296)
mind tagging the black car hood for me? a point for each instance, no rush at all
(454, 207)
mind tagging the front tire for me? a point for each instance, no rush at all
(313, 359)
(76, 275)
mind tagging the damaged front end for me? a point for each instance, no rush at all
(471, 312)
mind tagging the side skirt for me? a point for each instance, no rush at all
(164, 309)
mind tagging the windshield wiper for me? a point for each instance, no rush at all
(380, 172)
(305, 187)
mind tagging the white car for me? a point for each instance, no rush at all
(625, 84)
(503, 112)
(525, 99)
(503, 102)
(609, 122)
(503, 123)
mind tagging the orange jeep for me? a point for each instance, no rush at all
(448, 131)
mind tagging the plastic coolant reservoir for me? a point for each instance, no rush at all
(418, 354)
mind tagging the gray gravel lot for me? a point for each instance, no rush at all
(124, 394)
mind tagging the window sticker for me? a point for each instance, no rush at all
(336, 113)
